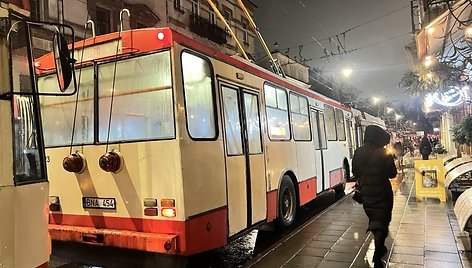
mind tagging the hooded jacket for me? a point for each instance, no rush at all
(372, 166)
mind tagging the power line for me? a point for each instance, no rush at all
(352, 28)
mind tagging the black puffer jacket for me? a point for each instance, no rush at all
(373, 166)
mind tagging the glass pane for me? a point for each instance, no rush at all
(340, 125)
(277, 121)
(281, 99)
(142, 102)
(323, 141)
(253, 123)
(58, 111)
(270, 97)
(303, 106)
(27, 152)
(330, 123)
(349, 138)
(232, 121)
(294, 104)
(301, 127)
(198, 97)
(315, 126)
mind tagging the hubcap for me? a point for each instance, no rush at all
(287, 204)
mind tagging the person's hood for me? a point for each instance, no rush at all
(376, 136)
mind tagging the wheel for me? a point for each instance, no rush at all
(287, 203)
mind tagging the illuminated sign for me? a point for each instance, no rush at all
(452, 97)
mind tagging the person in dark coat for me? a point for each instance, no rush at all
(372, 165)
(425, 147)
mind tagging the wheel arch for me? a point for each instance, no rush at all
(294, 180)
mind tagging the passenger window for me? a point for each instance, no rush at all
(330, 122)
(253, 123)
(277, 113)
(340, 125)
(323, 142)
(142, 99)
(315, 126)
(234, 145)
(199, 98)
(300, 118)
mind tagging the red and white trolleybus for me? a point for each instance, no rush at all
(174, 147)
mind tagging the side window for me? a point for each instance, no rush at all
(323, 142)
(349, 138)
(232, 117)
(300, 118)
(277, 113)
(251, 108)
(340, 125)
(142, 103)
(330, 122)
(199, 98)
(315, 127)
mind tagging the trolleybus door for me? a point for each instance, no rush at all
(245, 168)
(320, 144)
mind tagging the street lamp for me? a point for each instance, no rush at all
(347, 72)
(398, 117)
(389, 110)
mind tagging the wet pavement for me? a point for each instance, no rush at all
(422, 234)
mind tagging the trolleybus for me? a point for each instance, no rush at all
(174, 147)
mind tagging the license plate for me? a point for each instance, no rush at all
(98, 203)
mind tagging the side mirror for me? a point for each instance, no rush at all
(62, 61)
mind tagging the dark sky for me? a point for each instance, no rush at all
(377, 67)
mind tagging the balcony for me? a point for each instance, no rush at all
(205, 28)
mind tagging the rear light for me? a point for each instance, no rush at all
(168, 212)
(167, 203)
(54, 203)
(160, 36)
(150, 211)
(167, 246)
(150, 202)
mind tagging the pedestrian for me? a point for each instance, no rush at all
(425, 147)
(398, 149)
(372, 166)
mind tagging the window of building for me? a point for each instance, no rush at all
(142, 103)
(199, 97)
(277, 113)
(103, 23)
(245, 30)
(330, 122)
(300, 118)
(212, 16)
(196, 7)
(227, 14)
(340, 125)
(178, 4)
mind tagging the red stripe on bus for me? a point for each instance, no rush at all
(336, 177)
(271, 205)
(200, 233)
(44, 265)
(307, 190)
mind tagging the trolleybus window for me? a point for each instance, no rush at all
(58, 111)
(27, 161)
(315, 125)
(349, 138)
(277, 113)
(253, 123)
(330, 122)
(323, 142)
(199, 99)
(340, 125)
(142, 99)
(232, 121)
(300, 119)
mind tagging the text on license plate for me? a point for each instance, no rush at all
(98, 202)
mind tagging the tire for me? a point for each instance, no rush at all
(339, 189)
(286, 203)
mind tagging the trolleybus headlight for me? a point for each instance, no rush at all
(110, 162)
(168, 212)
(74, 163)
(54, 203)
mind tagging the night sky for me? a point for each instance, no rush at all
(379, 63)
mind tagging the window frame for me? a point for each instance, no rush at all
(178, 5)
(288, 111)
(236, 90)
(213, 86)
(341, 121)
(334, 123)
(307, 115)
(195, 4)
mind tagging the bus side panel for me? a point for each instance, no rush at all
(280, 157)
(306, 169)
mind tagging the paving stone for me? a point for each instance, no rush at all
(321, 244)
(333, 264)
(408, 250)
(441, 264)
(442, 256)
(303, 261)
(408, 259)
(316, 252)
(403, 265)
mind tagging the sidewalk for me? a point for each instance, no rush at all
(422, 234)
